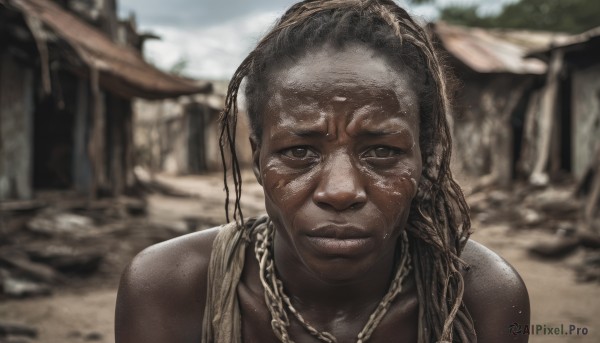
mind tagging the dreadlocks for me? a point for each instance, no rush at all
(438, 224)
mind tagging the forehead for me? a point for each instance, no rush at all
(345, 79)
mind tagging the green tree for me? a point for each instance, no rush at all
(572, 16)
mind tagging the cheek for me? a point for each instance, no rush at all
(410, 172)
(393, 192)
(285, 187)
(286, 191)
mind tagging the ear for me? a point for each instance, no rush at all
(256, 158)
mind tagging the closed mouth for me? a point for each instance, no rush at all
(340, 240)
(339, 232)
(332, 246)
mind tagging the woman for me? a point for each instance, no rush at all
(366, 237)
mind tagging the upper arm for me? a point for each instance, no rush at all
(162, 292)
(495, 296)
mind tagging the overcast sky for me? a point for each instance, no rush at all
(214, 36)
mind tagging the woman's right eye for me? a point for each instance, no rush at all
(299, 153)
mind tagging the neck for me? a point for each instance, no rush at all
(307, 290)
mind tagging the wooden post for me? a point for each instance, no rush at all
(115, 146)
(82, 170)
(548, 107)
(593, 200)
(528, 146)
(96, 143)
(129, 162)
(39, 36)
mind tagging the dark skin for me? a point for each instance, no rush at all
(339, 161)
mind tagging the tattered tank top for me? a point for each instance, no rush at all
(222, 321)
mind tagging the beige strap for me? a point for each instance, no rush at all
(222, 321)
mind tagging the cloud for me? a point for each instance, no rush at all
(215, 36)
(487, 7)
(196, 13)
(206, 13)
(211, 52)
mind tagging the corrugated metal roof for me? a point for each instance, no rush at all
(122, 69)
(566, 42)
(494, 50)
(579, 38)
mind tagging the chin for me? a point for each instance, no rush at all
(340, 270)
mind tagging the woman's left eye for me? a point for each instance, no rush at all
(382, 152)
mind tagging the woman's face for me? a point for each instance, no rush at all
(339, 158)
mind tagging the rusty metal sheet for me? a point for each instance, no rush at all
(573, 41)
(122, 69)
(494, 51)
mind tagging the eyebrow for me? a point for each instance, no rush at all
(382, 128)
(316, 133)
(304, 133)
(379, 133)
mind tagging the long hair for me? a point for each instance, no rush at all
(438, 225)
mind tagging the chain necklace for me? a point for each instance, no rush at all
(278, 302)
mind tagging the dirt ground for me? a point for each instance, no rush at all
(83, 311)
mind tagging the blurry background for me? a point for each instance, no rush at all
(213, 37)
(108, 144)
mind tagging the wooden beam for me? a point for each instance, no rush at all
(539, 174)
(96, 144)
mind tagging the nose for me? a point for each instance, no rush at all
(340, 187)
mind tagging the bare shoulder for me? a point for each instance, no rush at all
(162, 292)
(495, 295)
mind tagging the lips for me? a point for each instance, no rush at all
(341, 232)
(340, 241)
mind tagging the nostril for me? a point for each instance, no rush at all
(341, 186)
(339, 200)
(356, 205)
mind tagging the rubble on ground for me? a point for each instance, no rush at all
(16, 333)
(47, 243)
(559, 210)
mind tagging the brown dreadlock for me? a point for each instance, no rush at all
(439, 224)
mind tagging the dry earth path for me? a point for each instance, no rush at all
(85, 314)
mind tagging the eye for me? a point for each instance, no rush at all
(299, 153)
(382, 152)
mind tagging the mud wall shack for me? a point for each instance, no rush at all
(181, 136)
(68, 73)
(572, 109)
(495, 89)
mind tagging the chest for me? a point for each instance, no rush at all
(398, 325)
